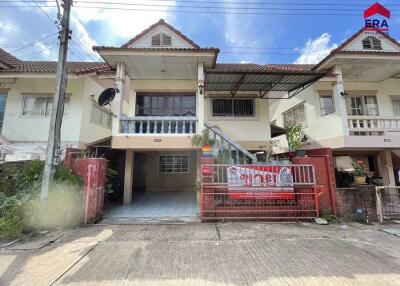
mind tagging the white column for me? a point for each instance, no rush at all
(386, 168)
(118, 100)
(200, 105)
(339, 97)
(128, 179)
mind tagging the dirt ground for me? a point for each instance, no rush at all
(237, 253)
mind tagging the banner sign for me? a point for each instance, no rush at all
(260, 182)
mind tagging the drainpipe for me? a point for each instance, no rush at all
(339, 98)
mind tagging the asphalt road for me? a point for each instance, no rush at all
(240, 253)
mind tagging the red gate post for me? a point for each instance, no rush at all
(207, 192)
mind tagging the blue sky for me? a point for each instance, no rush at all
(267, 37)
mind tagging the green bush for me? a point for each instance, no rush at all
(12, 222)
(24, 211)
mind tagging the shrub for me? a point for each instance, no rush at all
(24, 211)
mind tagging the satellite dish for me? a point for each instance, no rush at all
(107, 96)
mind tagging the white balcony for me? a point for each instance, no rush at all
(373, 125)
(160, 125)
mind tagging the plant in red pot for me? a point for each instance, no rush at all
(204, 141)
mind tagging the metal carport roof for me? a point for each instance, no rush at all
(261, 79)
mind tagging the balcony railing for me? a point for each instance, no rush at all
(158, 125)
(373, 125)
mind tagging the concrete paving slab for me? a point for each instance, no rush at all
(42, 267)
(240, 262)
(394, 231)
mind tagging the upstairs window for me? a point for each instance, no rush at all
(362, 105)
(40, 106)
(396, 105)
(233, 107)
(372, 43)
(326, 104)
(295, 115)
(161, 40)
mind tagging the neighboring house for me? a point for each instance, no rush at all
(355, 108)
(26, 95)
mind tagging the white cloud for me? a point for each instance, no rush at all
(315, 50)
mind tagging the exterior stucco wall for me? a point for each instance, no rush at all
(36, 129)
(89, 131)
(156, 181)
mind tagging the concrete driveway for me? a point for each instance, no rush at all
(241, 253)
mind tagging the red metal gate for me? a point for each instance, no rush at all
(259, 192)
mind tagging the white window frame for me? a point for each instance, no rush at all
(174, 171)
(393, 99)
(303, 123)
(104, 113)
(364, 108)
(321, 95)
(47, 111)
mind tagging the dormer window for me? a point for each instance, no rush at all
(372, 43)
(161, 40)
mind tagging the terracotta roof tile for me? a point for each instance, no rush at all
(7, 59)
(160, 22)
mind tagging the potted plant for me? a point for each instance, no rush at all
(204, 141)
(360, 172)
(294, 134)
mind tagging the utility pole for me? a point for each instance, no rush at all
(53, 143)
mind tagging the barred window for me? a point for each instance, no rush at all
(174, 164)
(40, 106)
(100, 117)
(295, 115)
(237, 107)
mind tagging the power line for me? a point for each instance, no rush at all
(229, 12)
(47, 15)
(219, 2)
(35, 42)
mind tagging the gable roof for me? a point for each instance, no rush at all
(160, 22)
(339, 49)
(8, 60)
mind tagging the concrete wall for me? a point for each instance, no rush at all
(36, 129)
(155, 181)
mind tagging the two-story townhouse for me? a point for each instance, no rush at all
(26, 95)
(170, 89)
(354, 109)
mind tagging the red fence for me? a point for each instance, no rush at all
(93, 174)
(258, 191)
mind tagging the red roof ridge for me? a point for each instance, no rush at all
(160, 22)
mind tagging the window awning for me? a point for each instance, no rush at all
(261, 79)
